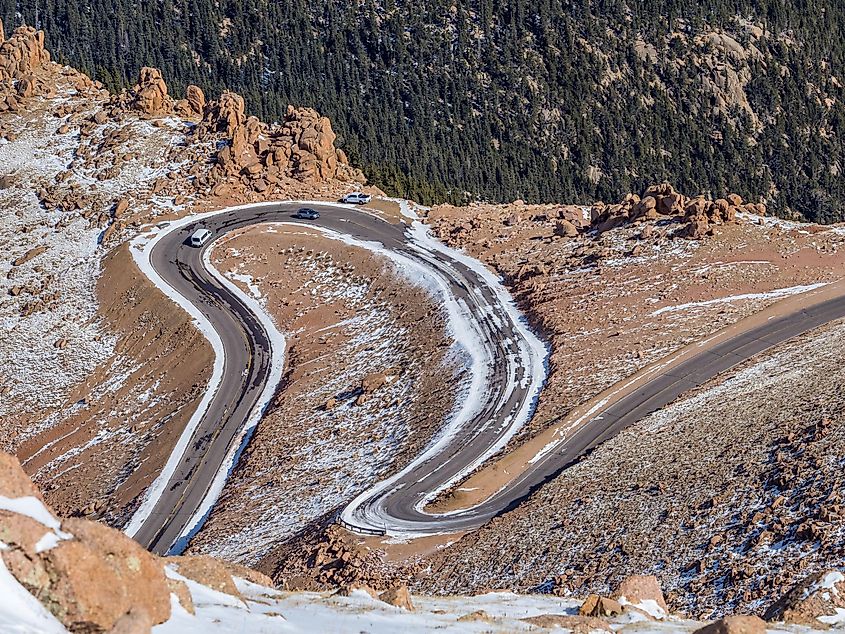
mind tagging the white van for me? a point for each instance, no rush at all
(200, 237)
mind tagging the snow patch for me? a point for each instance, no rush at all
(775, 294)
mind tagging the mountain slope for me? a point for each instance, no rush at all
(542, 101)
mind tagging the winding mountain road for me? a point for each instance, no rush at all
(507, 374)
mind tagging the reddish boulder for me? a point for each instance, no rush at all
(150, 94)
(735, 625)
(641, 590)
(399, 597)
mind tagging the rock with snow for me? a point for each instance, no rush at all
(818, 599)
(206, 570)
(399, 597)
(642, 591)
(574, 624)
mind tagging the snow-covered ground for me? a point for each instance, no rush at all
(52, 337)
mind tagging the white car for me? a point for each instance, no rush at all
(200, 237)
(356, 198)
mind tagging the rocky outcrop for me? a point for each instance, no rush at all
(193, 105)
(818, 597)
(224, 116)
(699, 215)
(398, 596)
(88, 575)
(150, 94)
(260, 158)
(22, 56)
(149, 97)
(91, 577)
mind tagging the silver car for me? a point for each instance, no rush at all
(356, 198)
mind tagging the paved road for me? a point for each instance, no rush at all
(397, 507)
(246, 345)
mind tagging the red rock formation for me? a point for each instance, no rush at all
(193, 105)
(22, 54)
(91, 577)
(698, 214)
(22, 57)
(150, 94)
(260, 158)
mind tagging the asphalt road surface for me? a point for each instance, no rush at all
(397, 508)
(247, 357)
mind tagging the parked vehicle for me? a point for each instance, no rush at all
(200, 237)
(306, 213)
(356, 198)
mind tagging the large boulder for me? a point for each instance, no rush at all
(642, 591)
(150, 94)
(196, 99)
(399, 597)
(88, 575)
(739, 624)
(22, 54)
(595, 605)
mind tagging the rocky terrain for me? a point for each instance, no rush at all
(642, 277)
(730, 497)
(74, 575)
(93, 356)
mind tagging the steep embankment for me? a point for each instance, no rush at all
(73, 575)
(100, 373)
(705, 492)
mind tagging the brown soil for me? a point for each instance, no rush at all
(345, 315)
(597, 298)
(494, 475)
(730, 496)
(167, 364)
